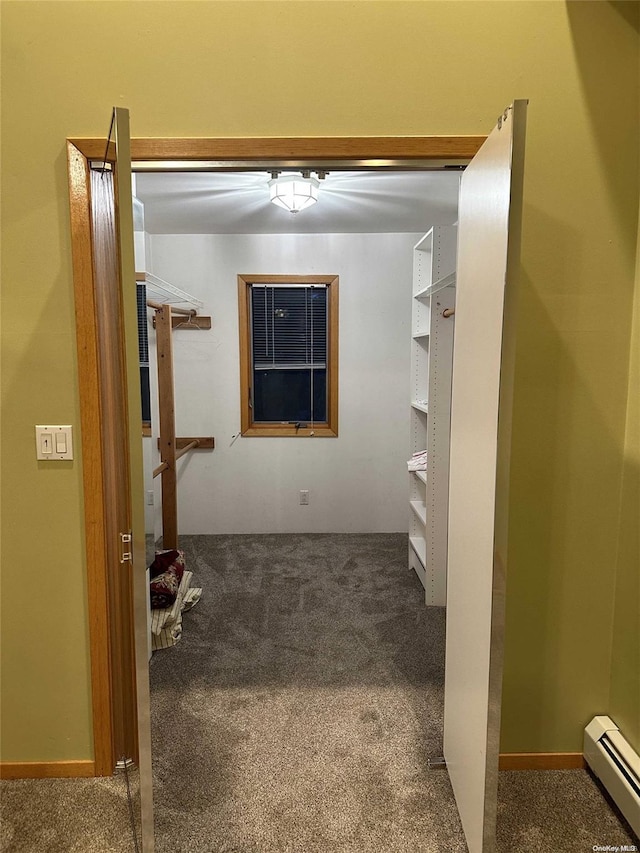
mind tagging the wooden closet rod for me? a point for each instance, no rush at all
(162, 467)
(191, 446)
(189, 312)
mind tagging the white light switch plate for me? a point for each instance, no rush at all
(54, 443)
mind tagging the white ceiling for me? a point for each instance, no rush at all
(348, 202)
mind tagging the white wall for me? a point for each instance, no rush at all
(358, 481)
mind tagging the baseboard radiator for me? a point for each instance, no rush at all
(616, 764)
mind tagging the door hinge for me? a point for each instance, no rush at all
(125, 547)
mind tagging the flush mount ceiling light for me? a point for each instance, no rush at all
(294, 192)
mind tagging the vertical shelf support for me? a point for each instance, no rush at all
(167, 428)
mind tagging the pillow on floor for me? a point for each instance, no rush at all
(165, 559)
(164, 586)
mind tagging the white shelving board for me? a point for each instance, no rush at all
(434, 260)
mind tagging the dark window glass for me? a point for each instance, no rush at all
(289, 353)
(143, 352)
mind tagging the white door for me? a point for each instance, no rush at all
(488, 257)
(139, 584)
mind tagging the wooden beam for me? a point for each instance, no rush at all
(166, 407)
(297, 149)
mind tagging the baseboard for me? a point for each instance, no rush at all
(46, 769)
(541, 761)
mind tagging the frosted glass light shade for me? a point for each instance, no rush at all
(293, 192)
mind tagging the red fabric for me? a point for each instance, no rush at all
(166, 570)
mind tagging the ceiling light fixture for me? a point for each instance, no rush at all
(295, 192)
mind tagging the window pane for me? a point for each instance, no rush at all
(289, 326)
(285, 395)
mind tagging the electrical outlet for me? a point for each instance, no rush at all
(304, 497)
(150, 497)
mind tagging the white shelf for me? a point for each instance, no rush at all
(420, 407)
(419, 546)
(419, 335)
(421, 475)
(425, 244)
(420, 510)
(445, 281)
(424, 293)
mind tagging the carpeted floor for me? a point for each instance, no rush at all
(296, 715)
(298, 711)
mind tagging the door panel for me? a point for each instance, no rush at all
(488, 255)
(121, 447)
(135, 494)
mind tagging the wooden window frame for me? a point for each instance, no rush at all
(322, 429)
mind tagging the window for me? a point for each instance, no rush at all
(288, 355)
(143, 351)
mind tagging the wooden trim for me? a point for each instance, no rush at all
(47, 769)
(248, 427)
(288, 279)
(299, 149)
(285, 431)
(541, 761)
(92, 462)
(332, 344)
(245, 361)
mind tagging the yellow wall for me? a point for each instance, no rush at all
(338, 68)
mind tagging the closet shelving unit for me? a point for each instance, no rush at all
(434, 279)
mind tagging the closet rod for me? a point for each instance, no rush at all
(179, 453)
(162, 467)
(187, 448)
(189, 312)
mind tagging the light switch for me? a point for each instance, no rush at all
(54, 442)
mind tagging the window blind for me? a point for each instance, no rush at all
(143, 331)
(289, 326)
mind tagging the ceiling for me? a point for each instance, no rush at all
(349, 202)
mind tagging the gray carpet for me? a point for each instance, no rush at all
(541, 811)
(298, 711)
(296, 716)
(65, 816)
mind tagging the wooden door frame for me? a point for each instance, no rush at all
(368, 152)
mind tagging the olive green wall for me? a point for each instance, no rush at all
(624, 707)
(338, 68)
